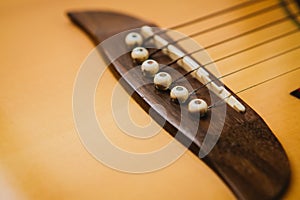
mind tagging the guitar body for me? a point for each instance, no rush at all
(42, 156)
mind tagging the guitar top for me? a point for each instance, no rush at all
(249, 157)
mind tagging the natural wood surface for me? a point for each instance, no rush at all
(41, 154)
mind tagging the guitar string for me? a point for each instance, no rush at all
(237, 36)
(246, 67)
(241, 51)
(202, 18)
(270, 24)
(222, 101)
(239, 6)
(236, 20)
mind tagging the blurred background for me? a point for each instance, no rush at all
(41, 156)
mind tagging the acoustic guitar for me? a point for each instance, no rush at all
(43, 157)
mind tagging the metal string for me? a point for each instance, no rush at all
(221, 101)
(256, 13)
(232, 38)
(247, 67)
(202, 18)
(241, 51)
(253, 14)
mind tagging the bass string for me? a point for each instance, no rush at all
(241, 51)
(203, 18)
(236, 20)
(222, 101)
(230, 9)
(256, 13)
(251, 31)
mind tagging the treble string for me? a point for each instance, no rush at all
(240, 51)
(199, 19)
(253, 14)
(233, 21)
(232, 38)
(246, 67)
(222, 101)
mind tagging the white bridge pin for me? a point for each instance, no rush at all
(133, 39)
(162, 80)
(150, 68)
(179, 94)
(139, 54)
(198, 106)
